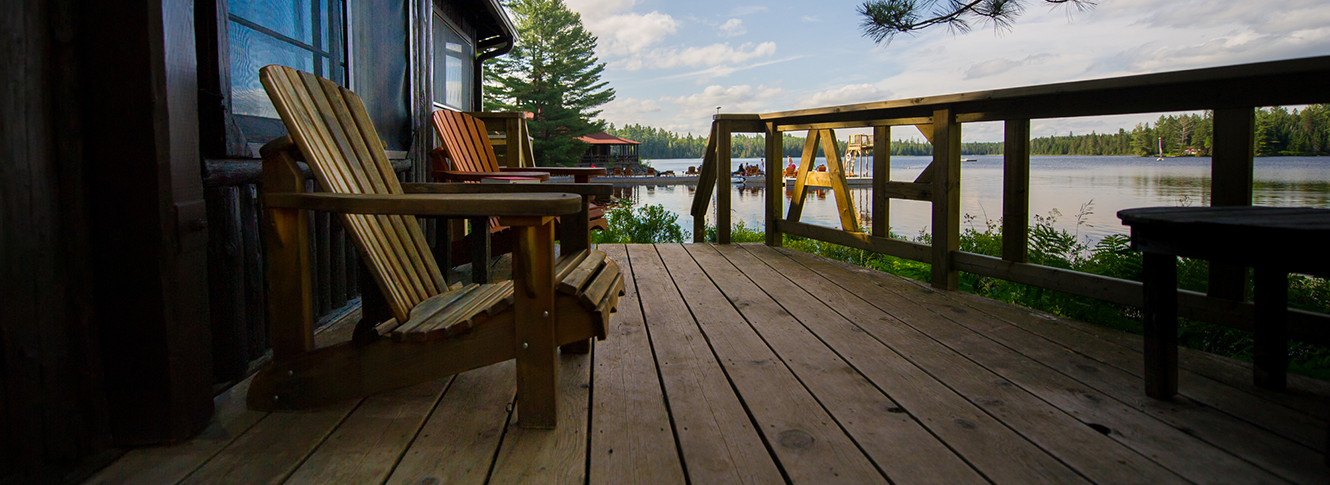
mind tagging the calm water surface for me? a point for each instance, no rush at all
(1096, 187)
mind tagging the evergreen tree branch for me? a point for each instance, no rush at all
(884, 19)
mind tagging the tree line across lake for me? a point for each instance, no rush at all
(1279, 131)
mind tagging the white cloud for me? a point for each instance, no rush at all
(711, 55)
(733, 27)
(1000, 65)
(849, 94)
(693, 112)
(631, 33)
(810, 18)
(743, 10)
(624, 111)
(619, 30)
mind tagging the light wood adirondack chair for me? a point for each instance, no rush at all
(432, 332)
(468, 156)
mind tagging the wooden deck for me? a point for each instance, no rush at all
(748, 364)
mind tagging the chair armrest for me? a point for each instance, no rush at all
(462, 176)
(585, 171)
(500, 114)
(437, 188)
(449, 205)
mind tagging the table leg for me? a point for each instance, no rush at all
(480, 249)
(1160, 280)
(1270, 359)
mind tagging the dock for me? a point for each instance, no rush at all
(746, 363)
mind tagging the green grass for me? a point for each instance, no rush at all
(1049, 246)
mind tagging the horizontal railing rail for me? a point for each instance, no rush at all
(1232, 93)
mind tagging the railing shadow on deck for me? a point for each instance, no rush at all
(1232, 93)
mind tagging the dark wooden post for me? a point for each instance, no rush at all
(775, 184)
(1160, 282)
(723, 195)
(946, 198)
(138, 72)
(881, 175)
(1231, 185)
(1270, 357)
(1016, 191)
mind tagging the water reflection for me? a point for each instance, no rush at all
(1096, 187)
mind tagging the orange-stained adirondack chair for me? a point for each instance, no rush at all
(427, 331)
(468, 156)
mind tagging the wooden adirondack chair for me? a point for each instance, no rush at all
(468, 156)
(429, 332)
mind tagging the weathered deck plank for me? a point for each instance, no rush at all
(808, 443)
(632, 440)
(899, 445)
(367, 446)
(458, 443)
(1178, 451)
(748, 364)
(170, 464)
(715, 436)
(985, 442)
(551, 455)
(1240, 439)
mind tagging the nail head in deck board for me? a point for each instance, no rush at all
(457, 444)
(898, 444)
(551, 455)
(779, 404)
(366, 446)
(718, 443)
(1265, 449)
(632, 440)
(1098, 456)
(996, 451)
(272, 449)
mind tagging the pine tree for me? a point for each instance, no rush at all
(553, 73)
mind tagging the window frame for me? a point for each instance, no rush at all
(437, 14)
(224, 133)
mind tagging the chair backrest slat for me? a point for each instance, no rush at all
(337, 138)
(466, 140)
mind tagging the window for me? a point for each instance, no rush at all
(453, 55)
(303, 34)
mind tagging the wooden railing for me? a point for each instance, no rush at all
(1231, 92)
(237, 301)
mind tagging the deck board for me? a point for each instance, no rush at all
(633, 440)
(751, 364)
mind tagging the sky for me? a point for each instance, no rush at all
(672, 62)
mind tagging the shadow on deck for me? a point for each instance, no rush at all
(745, 363)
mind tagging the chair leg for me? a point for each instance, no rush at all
(579, 347)
(533, 293)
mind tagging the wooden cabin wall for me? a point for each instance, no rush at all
(52, 412)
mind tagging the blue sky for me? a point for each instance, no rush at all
(673, 62)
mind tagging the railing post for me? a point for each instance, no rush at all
(1231, 185)
(723, 195)
(1016, 191)
(881, 175)
(946, 197)
(706, 182)
(775, 179)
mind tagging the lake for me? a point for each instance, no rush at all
(1094, 187)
